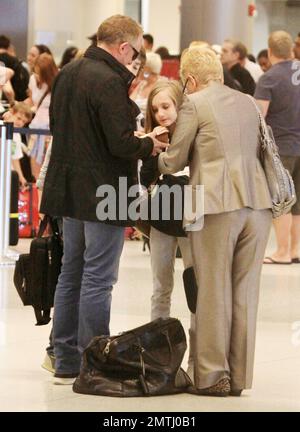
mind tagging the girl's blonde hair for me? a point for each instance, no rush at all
(174, 90)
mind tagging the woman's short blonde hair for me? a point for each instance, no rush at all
(153, 62)
(174, 90)
(203, 64)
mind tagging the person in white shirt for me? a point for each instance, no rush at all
(5, 76)
(45, 71)
(253, 68)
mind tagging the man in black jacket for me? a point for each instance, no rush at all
(230, 59)
(94, 149)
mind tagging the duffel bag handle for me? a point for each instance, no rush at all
(146, 353)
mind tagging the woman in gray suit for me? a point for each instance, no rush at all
(217, 135)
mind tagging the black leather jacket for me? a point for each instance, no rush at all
(92, 120)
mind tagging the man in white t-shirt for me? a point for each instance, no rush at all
(254, 69)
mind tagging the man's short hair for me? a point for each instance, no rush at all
(281, 44)
(263, 54)
(149, 38)
(4, 42)
(238, 47)
(93, 38)
(118, 29)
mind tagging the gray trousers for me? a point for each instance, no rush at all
(163, 254)
(228, 254)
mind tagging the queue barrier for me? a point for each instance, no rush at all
(7, 256)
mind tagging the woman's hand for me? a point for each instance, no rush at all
(23, 184)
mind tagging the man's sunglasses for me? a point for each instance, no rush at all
(135, 54)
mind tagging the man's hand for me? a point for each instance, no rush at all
(139, 134)
(158, 146)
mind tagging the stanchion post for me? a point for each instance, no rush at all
(2, 187)
(9, 137)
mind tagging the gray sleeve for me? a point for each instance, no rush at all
(264, 88)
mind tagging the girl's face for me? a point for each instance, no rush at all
(164, 109)
(32, 56)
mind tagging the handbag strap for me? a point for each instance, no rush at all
(42, 99)
(262, 123)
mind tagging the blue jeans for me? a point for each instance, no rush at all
(82, 303)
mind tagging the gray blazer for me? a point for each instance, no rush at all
(217, 134)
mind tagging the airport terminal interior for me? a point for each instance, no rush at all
(25, 385)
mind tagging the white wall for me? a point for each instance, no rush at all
(161, 18)
(96, 11)
(261, 29)
(60, 23)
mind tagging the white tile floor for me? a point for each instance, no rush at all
(25, 386)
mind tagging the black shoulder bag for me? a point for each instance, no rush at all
(36, 274)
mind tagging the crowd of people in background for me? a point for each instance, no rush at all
(26, 99)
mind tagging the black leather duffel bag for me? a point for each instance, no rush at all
(141, 362)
